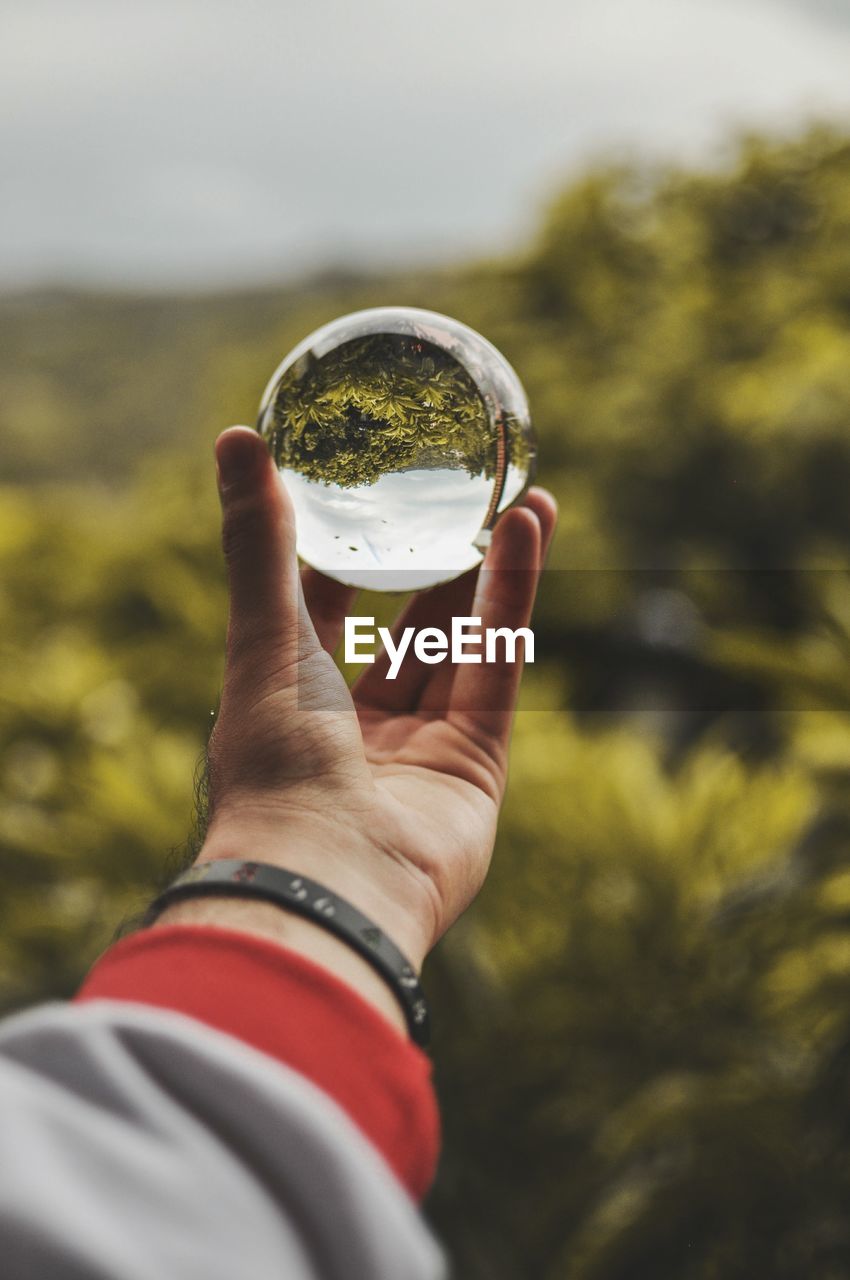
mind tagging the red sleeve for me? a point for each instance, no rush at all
(296, 1011)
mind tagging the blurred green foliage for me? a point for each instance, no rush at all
(643, 1024)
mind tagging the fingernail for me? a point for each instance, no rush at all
(238, 457)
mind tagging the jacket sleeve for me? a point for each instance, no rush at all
(140, 1140)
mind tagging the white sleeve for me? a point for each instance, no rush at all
(138, 1144)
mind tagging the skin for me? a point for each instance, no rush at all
(388, 794)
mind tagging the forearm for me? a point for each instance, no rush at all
(297, 934)
(282, 1002)
(291, 988)
(135, 1142)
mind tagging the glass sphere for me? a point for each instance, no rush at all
(400, 435)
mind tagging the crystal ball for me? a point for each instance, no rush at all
(401, 436)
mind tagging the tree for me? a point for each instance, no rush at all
(380, 404)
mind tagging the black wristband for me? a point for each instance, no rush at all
(294, 892)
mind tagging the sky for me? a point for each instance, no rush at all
(208, 143)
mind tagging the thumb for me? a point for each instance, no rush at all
(258, 539)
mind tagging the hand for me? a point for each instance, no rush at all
(388, 794)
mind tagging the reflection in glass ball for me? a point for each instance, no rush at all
(401, 435)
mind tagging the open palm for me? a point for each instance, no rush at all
(393, 788)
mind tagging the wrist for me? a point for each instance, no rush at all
(343, 859)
